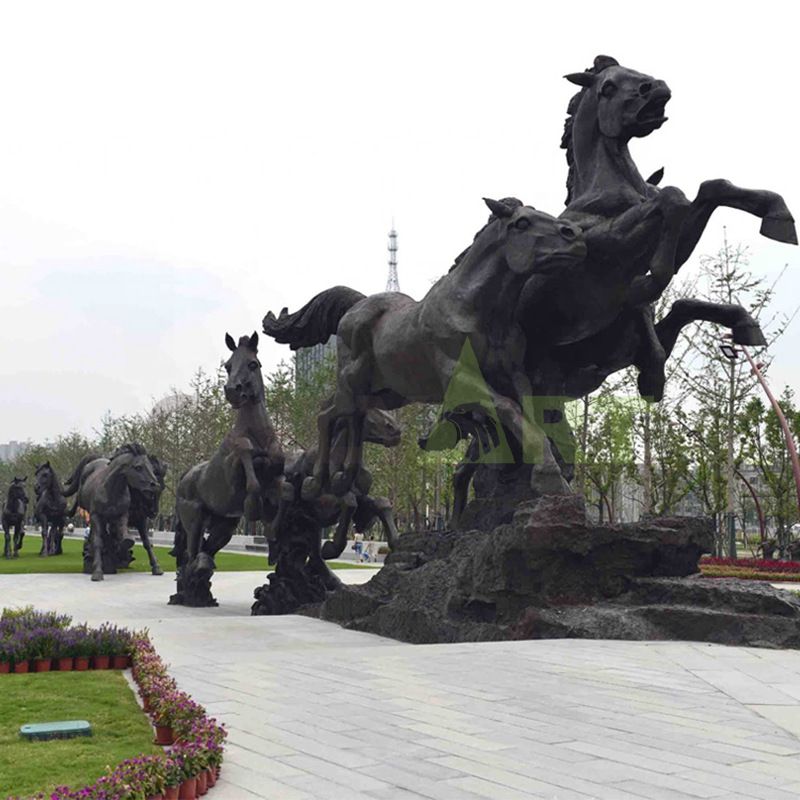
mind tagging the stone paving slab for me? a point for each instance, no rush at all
(316, 712)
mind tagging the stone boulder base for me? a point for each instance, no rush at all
(551, 574)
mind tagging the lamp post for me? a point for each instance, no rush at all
(730, 352)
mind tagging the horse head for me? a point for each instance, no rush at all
(625, 103)
(16, 495)
(133, 462)
(43, 478)
(530, 240)
(245, 384)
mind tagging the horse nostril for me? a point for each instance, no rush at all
(567, 232)
(645, 88)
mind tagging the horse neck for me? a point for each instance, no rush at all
(252, 419)
(604, 175)
(474, 271)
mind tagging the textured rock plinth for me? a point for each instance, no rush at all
(551, 574)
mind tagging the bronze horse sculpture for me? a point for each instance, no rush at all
(50, 509)
(144, 506)
(14, 517)
(105, 488)
(242, 479)
(393, 350)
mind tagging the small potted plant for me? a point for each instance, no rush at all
(121, 658)
(5, 657)
(42, 646)
(62, 650)
(82, 647)
(103, 647)
(20, 643)
(173, 777)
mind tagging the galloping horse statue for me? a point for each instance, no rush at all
(14, 517)
(300, 575)
(144, 506)
(598, 317)
(243, 478)
(51, 509)
(105, 487)
(393, 350)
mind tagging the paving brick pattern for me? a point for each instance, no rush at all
(315, 711)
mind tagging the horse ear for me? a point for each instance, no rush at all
(584, 79)
(253, 343)
(229, 341)
(497, 208)
(603, 62)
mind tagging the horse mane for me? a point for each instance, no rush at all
(130, 449)
(600, 63)
(511, 202)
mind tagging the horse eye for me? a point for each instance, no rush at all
(609, 89)
(522, 224)
(253, 365)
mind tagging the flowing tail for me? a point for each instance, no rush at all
(315, 322)
(72, 483)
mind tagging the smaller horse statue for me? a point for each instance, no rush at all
(144, 507)
(14, 517)
(301, 575)
(105, 487)
(51, 509)
(393, 350)
(242, 479)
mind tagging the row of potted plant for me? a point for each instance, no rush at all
(188, 767)
(40, 641)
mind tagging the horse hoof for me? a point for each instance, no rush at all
(340, 484)
(781, 230)
(97, 576)
(749, 334)
(157, 571)
(312, 488)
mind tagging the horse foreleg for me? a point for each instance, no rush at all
(252, 503)
(342, 481)
(776, 220)
(314, 483)
(155, 569)
(7, 535)
(334, 548)
(682, 312)
(97, 531)
(45, 549)
(19, 536)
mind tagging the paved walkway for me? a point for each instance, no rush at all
(315, 711)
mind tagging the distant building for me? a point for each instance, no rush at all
(10, 450)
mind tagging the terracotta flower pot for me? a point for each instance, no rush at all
(81, 663)
(120, 662)
(188, 789)
(202, 783)
(156, 797)
(147, 704)
(65, 664)
(102, 662)
(164, 735)
(171, 793)
(211, 776)
(5, 667)
(42, 664)
(21, 666)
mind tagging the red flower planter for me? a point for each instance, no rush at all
(65, 664)
(42, 664)
(211, 776)
(102, 662)
(164, 735)
(81, 663)
(4, 667)
(120, 662)
(202, 783)
(156, 797)
(188, 789)
(21, 667)
(171, 793)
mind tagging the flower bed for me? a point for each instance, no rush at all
(191, 764)
(760, 564)
(35, 641)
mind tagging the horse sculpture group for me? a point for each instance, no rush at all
(536, 307)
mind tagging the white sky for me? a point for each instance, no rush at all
(170, 171)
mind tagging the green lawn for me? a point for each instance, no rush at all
(121, 730)
(29, 560)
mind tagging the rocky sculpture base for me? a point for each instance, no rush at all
(194, 584)
(551, 574)
(117, 554)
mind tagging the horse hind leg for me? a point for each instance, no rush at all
(97, 533)
(155, 568)
(19, 536)
(7, 536)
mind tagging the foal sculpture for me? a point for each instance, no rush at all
(51, 509)
(241, 479)
(14, 517)
(104, 487)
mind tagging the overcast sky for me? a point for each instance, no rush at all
(170, 171)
